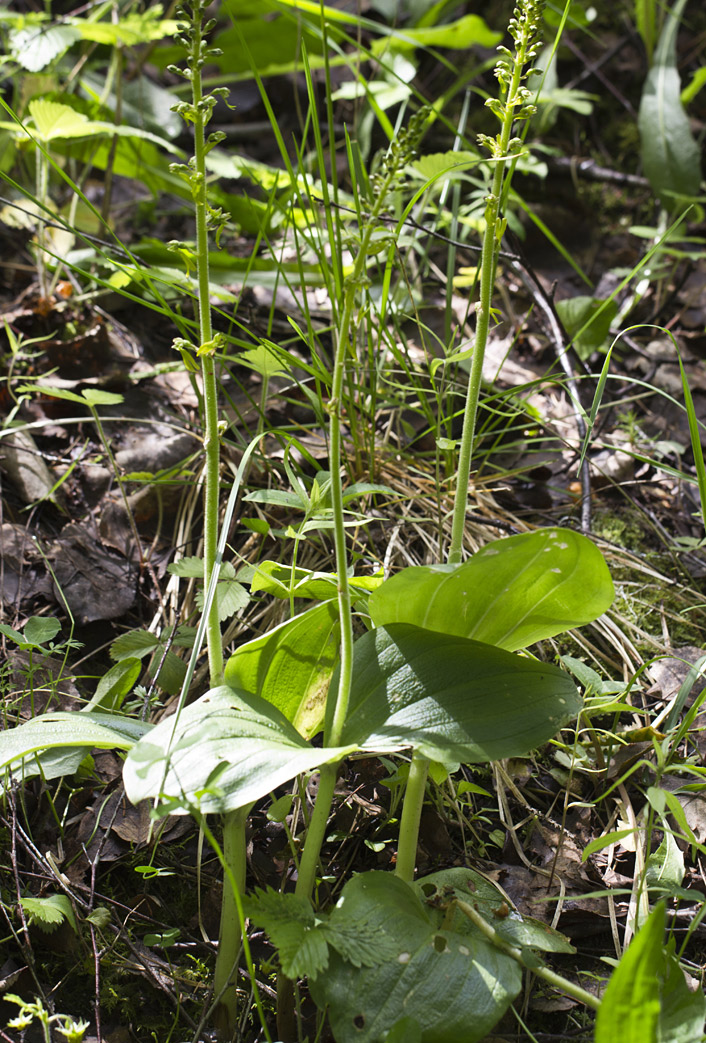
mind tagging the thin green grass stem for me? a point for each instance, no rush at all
(411, 817)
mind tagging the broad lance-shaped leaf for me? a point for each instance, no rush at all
(454, 986)
(647, 996)
(513, 592)
(670, 155)
(53, 731)
(291, 666)
(454, 700)
(225, 751)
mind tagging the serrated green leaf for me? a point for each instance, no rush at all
(171, 673)
(35, 47)
(511, 593)
(137, 643)
(100, 916)
(293, 929)
(187, 568)
(48, 913)
(455, 986)
(437, 165)
(97, 397)
(129, 30)
(231, 598)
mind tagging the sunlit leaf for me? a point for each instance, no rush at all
(291, 666)
(511, 593)
(454, 700)
(225, 751)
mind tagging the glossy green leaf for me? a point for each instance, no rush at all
(671, 157)
(471, 886)
(682, 1010)
(587, 320)
(665, 866)
(454, 700)
(225, 751)
(115, 685)
(511, 593)
(283, 581)
(456, 987)
(465, 32)
(631, 1001)
(647, 997)
(291, 666)
(53, 731)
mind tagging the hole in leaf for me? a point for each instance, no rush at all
(440, 943)
(428, 890)
(359, 1021)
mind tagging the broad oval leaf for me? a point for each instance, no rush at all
(456, 987)
(225, 751)
(670, 155)
(291, 666)
(513, 592)
(455, 700)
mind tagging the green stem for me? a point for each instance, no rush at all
(230, 939)
(208, 368)
(489, 257)
(233, 839)
(316, 831)
(551, 977)
(332, 735)
(42, 188)
(411, 817)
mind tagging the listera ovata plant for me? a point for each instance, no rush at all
(436, 678)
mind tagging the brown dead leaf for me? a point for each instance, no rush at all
(96, 583)
(23, 576)
(22, 461)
